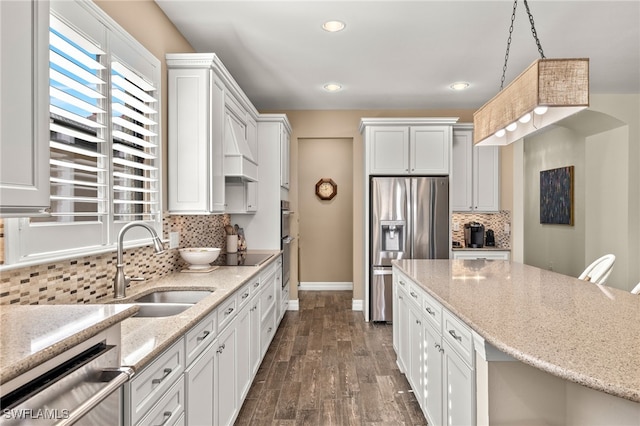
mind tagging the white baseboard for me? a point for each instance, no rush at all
(294, 305)
(357, 305)
(325, 286)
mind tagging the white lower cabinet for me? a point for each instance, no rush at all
(200, 393)
(435, 351)
(225, 375)
(204, 377)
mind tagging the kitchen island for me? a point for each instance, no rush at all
(548, 348)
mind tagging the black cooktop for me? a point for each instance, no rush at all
(244, 259)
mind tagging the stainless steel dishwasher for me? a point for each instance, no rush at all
(85, 389)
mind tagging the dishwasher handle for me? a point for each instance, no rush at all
(116, 377)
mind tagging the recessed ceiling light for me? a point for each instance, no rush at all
(332, 87)
(333, 26)
(459, 85)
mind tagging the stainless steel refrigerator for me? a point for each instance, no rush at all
(409, 220)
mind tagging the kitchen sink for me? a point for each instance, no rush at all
(153, 310)
(174, 296)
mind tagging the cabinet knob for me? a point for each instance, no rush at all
(430, 311)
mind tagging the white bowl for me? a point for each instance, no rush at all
(199, 257)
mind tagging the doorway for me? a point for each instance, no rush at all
(325, 226)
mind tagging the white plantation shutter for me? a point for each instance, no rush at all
(79, 161)
(135, 146)
(104, 139)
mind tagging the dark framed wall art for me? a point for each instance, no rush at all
(556, 196)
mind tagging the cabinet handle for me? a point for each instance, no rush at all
(167, 371)
(455, 336)
(415, 296)
(437, 346)
(228, 311)
(270, 297)
(441, 350)
(256, 285)
(167, 416)
(400, 297)
(244, 296)
(430, 311)
(204, 336)
(220, 348)
(269, 330)
(401, 282)
(418, 322)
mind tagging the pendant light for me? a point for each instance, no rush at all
(546, 92)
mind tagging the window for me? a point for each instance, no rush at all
(104, 139)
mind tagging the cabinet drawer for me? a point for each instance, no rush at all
(432, 311)
(154, 380)
(200, 336)
(226, 311)
(244, 295)
(267, 299)
(458, 335)
(415, 294)
(169, 409)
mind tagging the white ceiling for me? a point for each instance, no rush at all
(404, 54)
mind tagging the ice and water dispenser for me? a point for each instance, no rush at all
(393, 234)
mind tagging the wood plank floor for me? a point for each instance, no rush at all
(327, 366)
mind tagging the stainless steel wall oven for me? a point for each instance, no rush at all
(285, 242)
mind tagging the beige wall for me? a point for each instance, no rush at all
(325, 226)
(603, 143)
(148, 24)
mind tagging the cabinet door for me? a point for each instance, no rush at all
(404, 330)
(388, 149)
(243, 326)
(459, 386)
(24, 108)
(255, 348)
(199, 379)
(416, 347)
(195, 151)
(486, 178)
(394, 309)
(433, 390)
(462, 171)
(430, 150)
(225, 376)
(251, 196)
(285, 146)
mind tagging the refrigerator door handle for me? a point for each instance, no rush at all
(382, 271)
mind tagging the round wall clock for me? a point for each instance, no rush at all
(326, 189)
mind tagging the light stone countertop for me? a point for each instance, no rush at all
(34, 334)
(490, 248)
(575, 330)
(142, 339)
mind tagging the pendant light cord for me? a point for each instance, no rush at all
(533, 32)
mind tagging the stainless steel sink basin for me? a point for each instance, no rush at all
(153, 310)
(174, 296)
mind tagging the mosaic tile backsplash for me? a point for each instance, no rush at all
(90, 279)
(494, 221)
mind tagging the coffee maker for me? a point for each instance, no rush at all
(474, 235)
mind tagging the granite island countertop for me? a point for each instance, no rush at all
(142, 339)
(578, 331)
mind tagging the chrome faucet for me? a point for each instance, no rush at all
(120, 281)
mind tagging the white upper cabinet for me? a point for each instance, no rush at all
(475, 174)
(24, 108)
(420, 146)
(212, 141)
